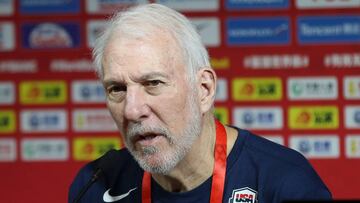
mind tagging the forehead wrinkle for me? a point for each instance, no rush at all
(167, 54)
(111, 79)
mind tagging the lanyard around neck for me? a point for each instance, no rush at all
(218, 178)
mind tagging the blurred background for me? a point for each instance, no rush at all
(288, 71)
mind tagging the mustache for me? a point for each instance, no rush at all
(135, 129)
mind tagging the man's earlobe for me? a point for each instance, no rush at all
(207, 81)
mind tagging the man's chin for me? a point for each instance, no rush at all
(152, 166)
(157, 160)
(154, 162)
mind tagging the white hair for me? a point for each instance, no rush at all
(140, 21)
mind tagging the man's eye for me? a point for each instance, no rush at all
(153, 83)
(116, 92)
(116, 89)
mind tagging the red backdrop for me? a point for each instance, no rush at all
(53, 118)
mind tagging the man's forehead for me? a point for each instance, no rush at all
(162, 43)
(142, 55)
(122, 70)
(144, 34)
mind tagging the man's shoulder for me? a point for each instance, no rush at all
(265, 151)
(279, 167)
(271, 159)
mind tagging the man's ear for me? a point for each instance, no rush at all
(207, 81)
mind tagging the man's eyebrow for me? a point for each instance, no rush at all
(111, 81)
(153, 75)
(148, 76)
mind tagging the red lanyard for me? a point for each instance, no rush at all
(218, 179)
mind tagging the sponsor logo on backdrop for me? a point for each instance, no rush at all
(191, 5)
(18, 66)
(94, 29)
(275, 138)
(43, 92)
(6, 7)
(7, 149)
(328, 29)
(310, 4)
(352, 146)
(343, 60)
(7, 93)
(257, 89)
(313, 117)
(245, 194)
(352, 87)
(49, 7)
(352, 117)
(7, 121)
(251, 117)
(221, 90)
(7, 36)
(44, 149)
(204, 26)
(250, 5)
(87, 91)
(90, 148)
(93, 120)
(80, 65)
(222, 113)
(220, 63)
(258, 31)
(50, 35)
(286, 61)
(110, 6)
(316, 146)
(311, 88)
(49, 120)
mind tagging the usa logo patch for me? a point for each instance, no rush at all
(246, 195)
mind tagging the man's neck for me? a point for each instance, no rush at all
(197, 166)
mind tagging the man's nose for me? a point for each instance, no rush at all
(136, 107)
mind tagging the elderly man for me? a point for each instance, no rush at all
(160, 91)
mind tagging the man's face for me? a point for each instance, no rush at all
(151, 101)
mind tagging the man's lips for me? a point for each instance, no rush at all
(146, 139)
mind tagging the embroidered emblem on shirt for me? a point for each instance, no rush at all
(108, 198)
(244, 195)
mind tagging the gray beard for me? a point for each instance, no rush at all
(181, 144)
